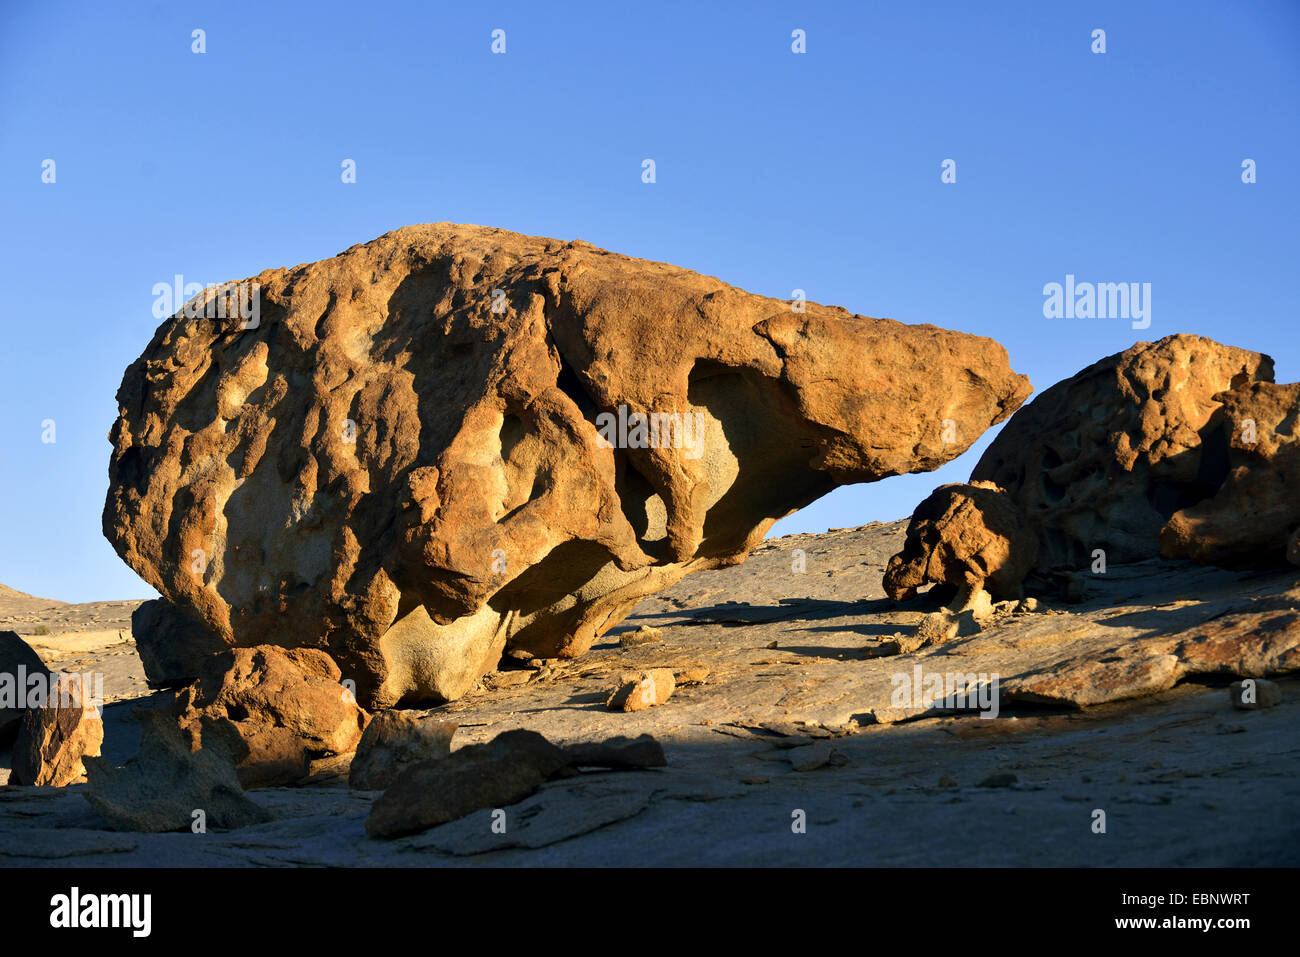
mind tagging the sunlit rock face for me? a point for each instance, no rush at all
(455, 440)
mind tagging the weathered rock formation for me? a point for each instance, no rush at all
(1254, 515)
(969, 537)
(273, 711)
(1183, 448)
(1105, 458)
(18, 663)
(168, 786)
(394, 740)
(454, 439)
(54, 739)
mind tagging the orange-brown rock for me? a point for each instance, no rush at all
(637, 691)
(1103, 459)
(53, 739)
(1251, 519)
(966, 536)
(441, 443)
(273, 710)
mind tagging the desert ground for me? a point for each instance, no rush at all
(786, 706)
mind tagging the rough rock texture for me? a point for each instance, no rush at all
(507, 769)
(165, 783)
(401, 463)
(53, 740)
(172, 645)
(969, 537)
(392, 741)
(1252, 518)
(1106, 457)
(18, 661)
(636, 692)
(273, 710)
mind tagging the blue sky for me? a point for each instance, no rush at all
(775, 171)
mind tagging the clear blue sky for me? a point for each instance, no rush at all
(775, 171)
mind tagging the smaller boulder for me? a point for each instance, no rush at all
(970, 537)
(173, 647)
(504, 771)
(392, 741)
(54, 739)
(642, 690)
(273, 709)
(645, 635)
(169, 787)
(18, 662)
(1251, 694)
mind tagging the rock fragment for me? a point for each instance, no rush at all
(646, 689)
(168, 787)
(619, 753)
(392, 741)
(54, 740)
(172, 645)
(18, 662)
(504, 771)
(274, 709)
(645, 635)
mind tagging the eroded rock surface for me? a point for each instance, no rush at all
(1103, 459)
(273, 710)
(968, 537)
(166, 783)
(1251, 518)
(406, 460)
(53, 740)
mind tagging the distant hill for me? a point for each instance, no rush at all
(26, 614)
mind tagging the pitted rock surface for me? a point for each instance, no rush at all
(402, 462)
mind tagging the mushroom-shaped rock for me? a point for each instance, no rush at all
(453, 440)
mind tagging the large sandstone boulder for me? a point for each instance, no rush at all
(1251, 519)
(1105, 458)
(439, 444)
